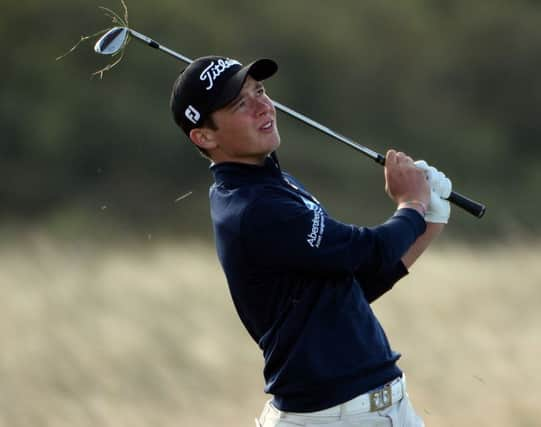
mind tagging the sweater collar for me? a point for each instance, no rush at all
(236, 174)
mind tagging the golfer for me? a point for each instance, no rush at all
(301, 281)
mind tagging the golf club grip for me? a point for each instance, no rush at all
(475, 208)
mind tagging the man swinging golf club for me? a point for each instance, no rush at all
(301, 281)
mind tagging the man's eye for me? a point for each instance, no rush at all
(239, 104)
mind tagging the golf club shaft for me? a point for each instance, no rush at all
(158, 46)
(475, 208)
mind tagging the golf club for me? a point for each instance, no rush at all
(115, 40)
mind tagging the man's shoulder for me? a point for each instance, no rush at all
(261, 200)
(250, 193)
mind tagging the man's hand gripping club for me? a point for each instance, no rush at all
(405, 183)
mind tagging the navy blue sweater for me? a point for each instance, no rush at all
(302, 283)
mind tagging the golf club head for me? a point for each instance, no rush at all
(112, 41)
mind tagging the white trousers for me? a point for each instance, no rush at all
(400, 414)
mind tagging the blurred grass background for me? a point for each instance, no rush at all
(114, 309)
(139, 333)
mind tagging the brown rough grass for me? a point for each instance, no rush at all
(143, 333)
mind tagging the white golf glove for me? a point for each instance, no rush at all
(439, 209)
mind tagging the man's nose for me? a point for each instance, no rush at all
(262, 106)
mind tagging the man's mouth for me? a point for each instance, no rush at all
(267, 125)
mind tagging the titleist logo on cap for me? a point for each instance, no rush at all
(214, 70)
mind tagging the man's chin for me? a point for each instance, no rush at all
(277, 141)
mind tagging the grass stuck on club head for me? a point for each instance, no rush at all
(112, 42)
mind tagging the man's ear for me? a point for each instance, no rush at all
(203, 138)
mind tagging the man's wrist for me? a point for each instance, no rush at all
(416, 205)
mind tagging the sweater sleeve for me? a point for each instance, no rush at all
(375, 285)
(284, 233)
(379, 280)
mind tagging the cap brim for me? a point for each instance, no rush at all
(259, 70)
